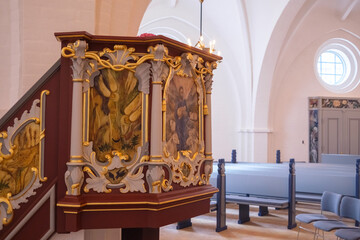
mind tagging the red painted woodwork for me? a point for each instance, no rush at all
(131, 210)
(92, 210)
(51, 83)
(42, 226)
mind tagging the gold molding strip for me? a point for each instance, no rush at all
(155, 158)
(156, 82)
(69, 212)
(135, 209)
(164, 126)
(77, 80)
(147, 118)
(76, 159)
(43, 95)
(142, 119)
(85, 124)
(133, 203)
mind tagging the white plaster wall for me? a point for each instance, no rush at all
(40, 19)
(222, 22)
(5, 28)
(262, 18)
(28, 46)
(119, 17)
(10, 53)
(295, 80)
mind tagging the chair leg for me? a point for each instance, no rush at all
(298, 231)
(315, 233)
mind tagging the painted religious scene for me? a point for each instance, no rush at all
(182, 116)
(115, 114)
(16, 169)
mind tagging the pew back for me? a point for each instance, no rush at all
(266, 179)
(315, 178)
(256, 179)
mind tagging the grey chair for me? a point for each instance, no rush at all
(349, 208)
(353, 233)
(330, 202)
(348, 234)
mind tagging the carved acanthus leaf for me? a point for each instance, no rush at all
(142, 73)
(208, 82)
(120, 55)
(159, 52)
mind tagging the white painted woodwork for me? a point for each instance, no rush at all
(352, 132)
(340, 131)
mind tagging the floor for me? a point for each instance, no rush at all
(273, 226)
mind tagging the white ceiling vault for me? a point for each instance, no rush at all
(259, 40)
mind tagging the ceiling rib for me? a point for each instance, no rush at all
(349, 9)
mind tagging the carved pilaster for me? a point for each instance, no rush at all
(155, 176)
(207, 117)
(159, 70)
(159, 73)
(74, 176)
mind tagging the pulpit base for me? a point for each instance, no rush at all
(140, 234)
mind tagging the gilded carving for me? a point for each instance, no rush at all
(74, 178)
(155, 176)
(21, 159)
(186, 169)
(184, 107)
(116, 87)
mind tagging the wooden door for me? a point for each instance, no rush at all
(332, 131)
(351, 134)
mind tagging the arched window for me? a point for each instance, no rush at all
(336, 65)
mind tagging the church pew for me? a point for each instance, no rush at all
(265, 185)
(328, 177)
(336, 178)
(312, 179)
(339, 158)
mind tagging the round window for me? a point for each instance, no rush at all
(336, 65)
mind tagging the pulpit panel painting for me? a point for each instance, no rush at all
(16, 170)
(182, 116)
(115, 114)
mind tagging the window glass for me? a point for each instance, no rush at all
(332, 67)
(336, 65)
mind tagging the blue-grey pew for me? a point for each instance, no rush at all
(312, 179)
(264, 185)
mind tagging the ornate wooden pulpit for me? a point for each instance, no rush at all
(137, 133)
